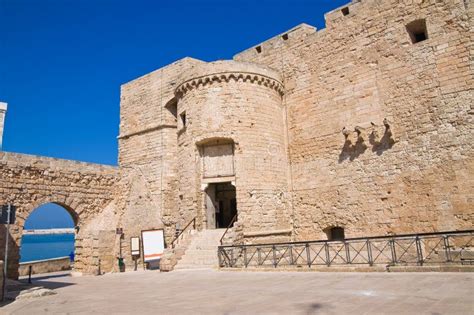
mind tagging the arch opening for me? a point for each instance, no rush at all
(48, 233)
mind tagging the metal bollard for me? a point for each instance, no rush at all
(30, 269)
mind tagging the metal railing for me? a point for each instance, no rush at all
(174, 241)
(407, 249)
(227, 229)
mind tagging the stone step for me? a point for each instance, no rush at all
(199, 257)
(202, 251)
(203, 247)
(208, 257)
(194, 256)
(199, 261)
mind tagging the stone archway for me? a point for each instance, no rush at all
(83, 189)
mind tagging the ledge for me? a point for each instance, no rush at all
(145, 130)
(267, 233)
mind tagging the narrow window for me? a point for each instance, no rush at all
(335, 234)
(417, 31)
(345, 11)
(183, 119)
(258, 49)
(285, 36)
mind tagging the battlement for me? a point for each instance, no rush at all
(301, 31)
(292, 35)
(342, 12)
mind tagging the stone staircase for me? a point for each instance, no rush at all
(201, 251)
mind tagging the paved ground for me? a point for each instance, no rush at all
(214, 292)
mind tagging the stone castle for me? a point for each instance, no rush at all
(363, 128)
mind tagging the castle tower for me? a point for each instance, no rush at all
(232, 147)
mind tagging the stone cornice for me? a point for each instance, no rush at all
(227, 76)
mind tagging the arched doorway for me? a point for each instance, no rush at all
(48, 233)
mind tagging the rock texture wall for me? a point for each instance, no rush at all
(147, 152)
(84, 190)
(359, 70)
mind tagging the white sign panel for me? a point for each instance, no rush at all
(153, 244)
(135, 246)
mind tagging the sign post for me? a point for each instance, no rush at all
(8, 209)
(135, 249)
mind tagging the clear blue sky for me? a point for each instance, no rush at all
(49, 216)
(62, 61)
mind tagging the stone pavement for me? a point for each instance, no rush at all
(215, 292)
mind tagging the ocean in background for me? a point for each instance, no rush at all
(45, 246)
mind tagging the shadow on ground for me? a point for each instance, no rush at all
(39, 286)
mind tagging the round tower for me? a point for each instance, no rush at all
(232, 148)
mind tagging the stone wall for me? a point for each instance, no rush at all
(147, 153)
(45, 266)
(359, 70)
(85, 190)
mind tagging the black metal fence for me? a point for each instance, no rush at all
(409, 249)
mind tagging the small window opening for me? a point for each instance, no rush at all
(285, 36)
(417, 31)
(335, 234)
(183, 118)
(258, 49)
(345, 11)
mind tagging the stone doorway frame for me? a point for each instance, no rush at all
(208, 208)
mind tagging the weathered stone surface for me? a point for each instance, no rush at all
(83, 189)
(361, 69)
(353, 126)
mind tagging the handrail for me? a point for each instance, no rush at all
(390, 250)
(193, 221)
(381, 237)
(228, 227)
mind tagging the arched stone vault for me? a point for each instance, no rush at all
(83, 189)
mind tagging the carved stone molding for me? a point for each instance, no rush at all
(249, 77)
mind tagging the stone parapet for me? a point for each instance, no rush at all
(45, 266)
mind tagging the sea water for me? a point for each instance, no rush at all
(45, 246)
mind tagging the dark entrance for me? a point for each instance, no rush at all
(226, 208)
(221, 205)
